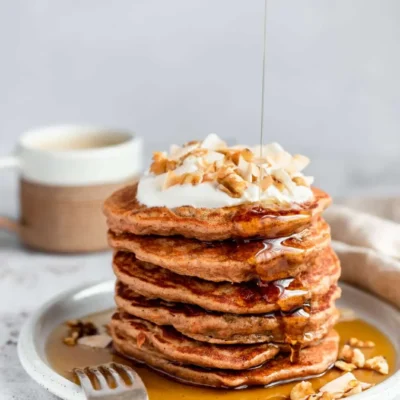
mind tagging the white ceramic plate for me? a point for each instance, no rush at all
(90, 299)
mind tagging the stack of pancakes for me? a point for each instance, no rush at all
(226, 297)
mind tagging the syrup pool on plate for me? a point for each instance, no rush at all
(63, 359)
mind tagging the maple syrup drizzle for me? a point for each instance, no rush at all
(63, 359)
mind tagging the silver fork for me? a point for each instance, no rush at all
(122, 391)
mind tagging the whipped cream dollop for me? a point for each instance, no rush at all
(209, 174)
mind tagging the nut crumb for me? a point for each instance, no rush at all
(352, 356)
(301, 391)
(368, 344)
(77, 330)
(345, 366)
(378, 364)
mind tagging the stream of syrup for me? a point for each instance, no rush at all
(63, 359)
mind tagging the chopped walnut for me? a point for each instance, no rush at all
(378, 364)
(346, 353)
(230, 182)
(301, 391)
(77, 330)
(195, 178)
(358, 358)
(352, 355)
(230, 169)
(368, 344)
(344, 366)
(161, 164)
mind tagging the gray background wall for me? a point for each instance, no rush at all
(178, 69)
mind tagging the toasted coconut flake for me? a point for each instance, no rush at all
(208, 178)
(282, 176)
(266, 182)
(339, 384)
(208, 161)
(171, 179)
(331, 396)
(301, 391)
(193, 143)
(181, 152)
(368, 344)
(378, 364)
(173, 149)
(299, 162)
(353, 387)
(213, 142)
(244, 169)
(344, 366)
(197, 153)
(300, 181)
(96, 341)
(280, 160)
(194, 178)
(366, 386)
(347, 314)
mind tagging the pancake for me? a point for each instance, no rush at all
(176, 347)
(246, 298)
(234, 261)
(312, 361)
(216, 327)
(125, 214)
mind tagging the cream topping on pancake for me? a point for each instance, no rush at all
(209, 174)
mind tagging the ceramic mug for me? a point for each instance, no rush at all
(66, 172)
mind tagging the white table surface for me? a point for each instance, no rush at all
(28, 279)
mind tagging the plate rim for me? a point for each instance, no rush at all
(46, 377)
(39, 370)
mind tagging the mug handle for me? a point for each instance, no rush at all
(8, 223)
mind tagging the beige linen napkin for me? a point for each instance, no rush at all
(368, 247)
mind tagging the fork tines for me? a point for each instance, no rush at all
(106, 376)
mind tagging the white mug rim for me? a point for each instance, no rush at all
(26, 141)
(109, 163)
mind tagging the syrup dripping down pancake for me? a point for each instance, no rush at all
(179, 348)
(246, 298)
(224, 328)
(235, 260)
(312, 361)
(125, 214)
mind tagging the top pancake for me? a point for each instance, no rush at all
(125, 214)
